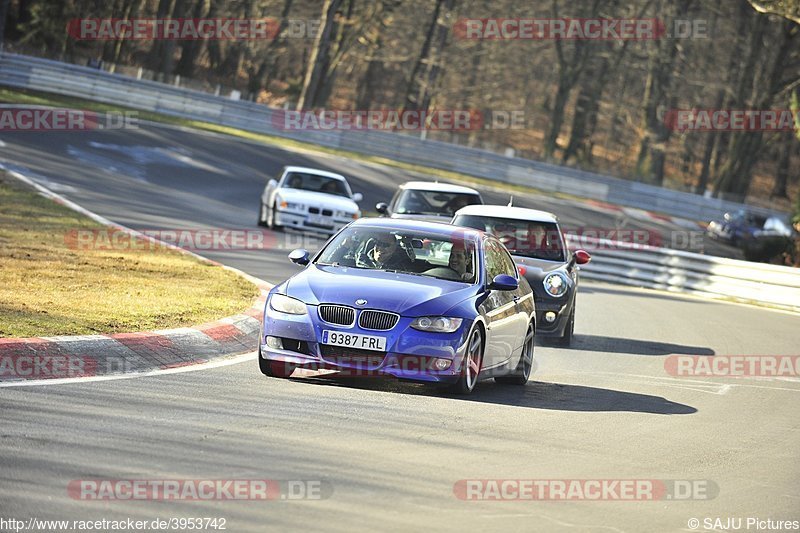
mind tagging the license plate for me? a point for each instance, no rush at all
(319, 220)
(354, 340)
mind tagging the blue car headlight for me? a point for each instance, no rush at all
(287, 304)
(437, 324)
(556, 284)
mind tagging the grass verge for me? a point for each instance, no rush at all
(49, 288)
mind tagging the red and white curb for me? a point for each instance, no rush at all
(643, 215)
(86, 356)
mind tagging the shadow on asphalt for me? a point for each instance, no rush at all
(602, 343)
(628, 290)
(535, 395)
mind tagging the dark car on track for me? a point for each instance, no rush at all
(759, 237)
(538, 247)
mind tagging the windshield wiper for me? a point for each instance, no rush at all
(395, 271)
(338, 264)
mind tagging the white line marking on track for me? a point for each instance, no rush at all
(228, 361)
(693, 384)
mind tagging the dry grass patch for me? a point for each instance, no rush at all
(48, 287)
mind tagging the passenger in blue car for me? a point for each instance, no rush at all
(461, 261)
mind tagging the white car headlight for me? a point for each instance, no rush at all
(283, 204)
(556, 284)
(347, 214)
(286, 304)
(437, 324)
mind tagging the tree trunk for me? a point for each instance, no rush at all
(745, 147)
(782, 175)
(259, 77)
(652, 150)
(3, 18)
(318, 61)
(569, 72)
(157, 50)
(191, 50)
(426, 69)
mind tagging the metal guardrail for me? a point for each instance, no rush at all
(74, 80)
(679, 271)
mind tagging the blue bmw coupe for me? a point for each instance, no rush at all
(420, 301)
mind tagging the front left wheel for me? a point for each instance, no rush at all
(271, 224)
(274, 369)
(471, 365)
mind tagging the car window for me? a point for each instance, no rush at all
(538, 240)
(316, 183)
(393, 203)
(414, 202)
(495, 264)
(508, 263)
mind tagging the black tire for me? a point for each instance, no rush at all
(274, 369)
(569, 332)
(522, 373)
(471, 365)
(262, 212)
(271, 220)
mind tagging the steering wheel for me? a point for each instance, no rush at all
(444, 272)
(362, 259)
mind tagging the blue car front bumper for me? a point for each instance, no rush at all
(410, 354)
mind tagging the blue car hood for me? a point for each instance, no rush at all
(404, 294)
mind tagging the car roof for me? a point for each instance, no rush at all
(424, 226)
(307, 170)
(438, 187)
(503, 211)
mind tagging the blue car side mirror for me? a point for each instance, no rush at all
(299, 257)
(504, 282)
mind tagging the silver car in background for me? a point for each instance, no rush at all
(425, 200)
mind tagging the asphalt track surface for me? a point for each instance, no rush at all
(392, 452)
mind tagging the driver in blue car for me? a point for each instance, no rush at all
(388, 254)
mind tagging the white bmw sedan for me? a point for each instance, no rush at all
(308, 199)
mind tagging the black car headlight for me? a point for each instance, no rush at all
(556, 284)
(287, 304)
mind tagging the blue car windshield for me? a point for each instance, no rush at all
(441, 257)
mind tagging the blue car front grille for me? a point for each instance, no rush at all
(340, 315)
(377, 320)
